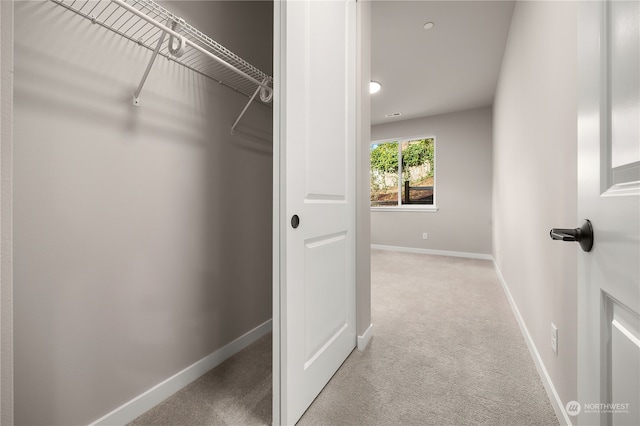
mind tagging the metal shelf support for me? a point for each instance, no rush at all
(136, 95)
(148, 24)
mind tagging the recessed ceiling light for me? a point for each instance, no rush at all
(374, 87)
(393, 115)
(428, 25)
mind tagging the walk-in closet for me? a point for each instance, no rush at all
(142, 196)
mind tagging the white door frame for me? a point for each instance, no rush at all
(280, 212)
(279, 234)
(363, 252)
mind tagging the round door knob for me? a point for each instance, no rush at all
(582, 235)
(295, 221)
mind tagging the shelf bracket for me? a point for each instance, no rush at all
(136, 96)
(266, 98)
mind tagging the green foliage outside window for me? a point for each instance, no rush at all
(417, 154)
(384, 157)
(417, 176)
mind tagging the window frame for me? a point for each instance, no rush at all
(425, 208)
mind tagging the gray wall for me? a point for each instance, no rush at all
(6, 212)
(535, 183)
(363, 221)
(142, 235)
(463, 185)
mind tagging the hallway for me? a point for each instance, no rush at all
(446, 351)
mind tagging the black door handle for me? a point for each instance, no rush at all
(582, 235)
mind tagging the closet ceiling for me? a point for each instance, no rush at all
(453, 66)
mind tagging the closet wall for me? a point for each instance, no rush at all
(142, 236)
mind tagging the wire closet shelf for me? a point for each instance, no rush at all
(147, 24)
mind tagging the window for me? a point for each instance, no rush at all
(403, 173)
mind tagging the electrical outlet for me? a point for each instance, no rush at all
(424, 235)
(554, 338)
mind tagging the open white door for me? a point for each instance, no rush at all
(609, 196)
(314, 215)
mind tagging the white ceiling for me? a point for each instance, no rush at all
(452, 67)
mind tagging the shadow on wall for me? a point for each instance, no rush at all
(142, 236)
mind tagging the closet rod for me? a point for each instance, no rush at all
(162, 27)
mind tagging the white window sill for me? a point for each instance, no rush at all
(417, 209)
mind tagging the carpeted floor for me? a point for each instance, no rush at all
(446, 351)
(236, 393)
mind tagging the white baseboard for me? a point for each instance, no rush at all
(152, 397)
(435, 252)
(363, 340)
(558, 407)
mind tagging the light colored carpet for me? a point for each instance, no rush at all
(237, 392)
(446, 351)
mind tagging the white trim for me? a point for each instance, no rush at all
(622, 329)
(152, 397)
(403, 139)
(434, 252)
(279, 373)
(556, 402)
(422, 208)
(363, 340)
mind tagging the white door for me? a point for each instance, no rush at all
(315, 141)
(609, 196)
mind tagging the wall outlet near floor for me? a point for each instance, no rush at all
(424, 235)
(554, 338)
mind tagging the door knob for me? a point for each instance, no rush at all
(295, 221)
(582, 235)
